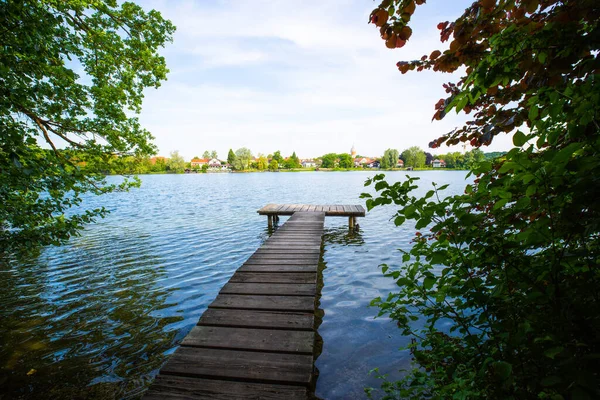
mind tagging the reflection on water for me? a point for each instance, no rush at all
(84, 317)
(98, 317)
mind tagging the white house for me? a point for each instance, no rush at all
(359, 162)
(438, 163)
(308, 164)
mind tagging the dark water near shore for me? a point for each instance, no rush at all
(98, 317)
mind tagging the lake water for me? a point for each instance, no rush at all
(97, 318)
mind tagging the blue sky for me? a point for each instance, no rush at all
(307, 76)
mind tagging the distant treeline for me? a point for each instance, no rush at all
(243, 160)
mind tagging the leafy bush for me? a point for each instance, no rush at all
(501, 288)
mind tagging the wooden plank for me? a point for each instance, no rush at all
(268, 208)
(276, 303)
(242, 365)
(186, 388)
(280, 208)
(295, 240)
(266, 277)
(309, 258)
(277, 268)
(299, 251)
(291, 235)
(301, 233)
(275, 246)
(278, 289)
(274, 261)
(295, 243)
(301, 321)
(270, 340)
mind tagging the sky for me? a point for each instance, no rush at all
(308, 76)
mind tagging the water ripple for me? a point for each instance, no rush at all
(96, 318)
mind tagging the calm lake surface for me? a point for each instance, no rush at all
(97, 318)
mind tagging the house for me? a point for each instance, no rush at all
(214, 164)
(400, 163)
(373, 164)
(199, 162)
(309, 163)
(438, 163)
(359, 162)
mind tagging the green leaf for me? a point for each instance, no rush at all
(500, 203)
(553, 352)
(502, 370)
(550, 381)
(428, 282)
(531, 189)
(519, 139)
(533, 112)
(507, 166)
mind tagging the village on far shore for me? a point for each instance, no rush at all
(244, 160)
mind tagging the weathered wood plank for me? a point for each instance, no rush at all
(276, 303)
(279, 289)
(299, 251)
(296, 241)
(267, 277)
(292, 246)
(275, 261)
(243, 365)
(302, 321)
(278, 268)
(301, 342)
(185, 388)
(300, 258)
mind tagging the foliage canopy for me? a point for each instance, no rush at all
(501, 288)
(72, 75)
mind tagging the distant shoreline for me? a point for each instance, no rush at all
(293, 170)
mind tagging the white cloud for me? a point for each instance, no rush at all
(311, 77)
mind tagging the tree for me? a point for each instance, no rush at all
(510, 265)
(277, 157)
(345, 160)
(231, 158)
(243, 156)
(294, 161)
(389, 159)
(44, 102)
(175, 163)
(473, 158)
(329, 160)
(214, 154)
(206, 154)
(262, 163)
(414, 157)
(273, 165)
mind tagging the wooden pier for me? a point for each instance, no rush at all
(273, 211)
(256, 340)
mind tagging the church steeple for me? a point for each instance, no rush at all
(353, 151)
